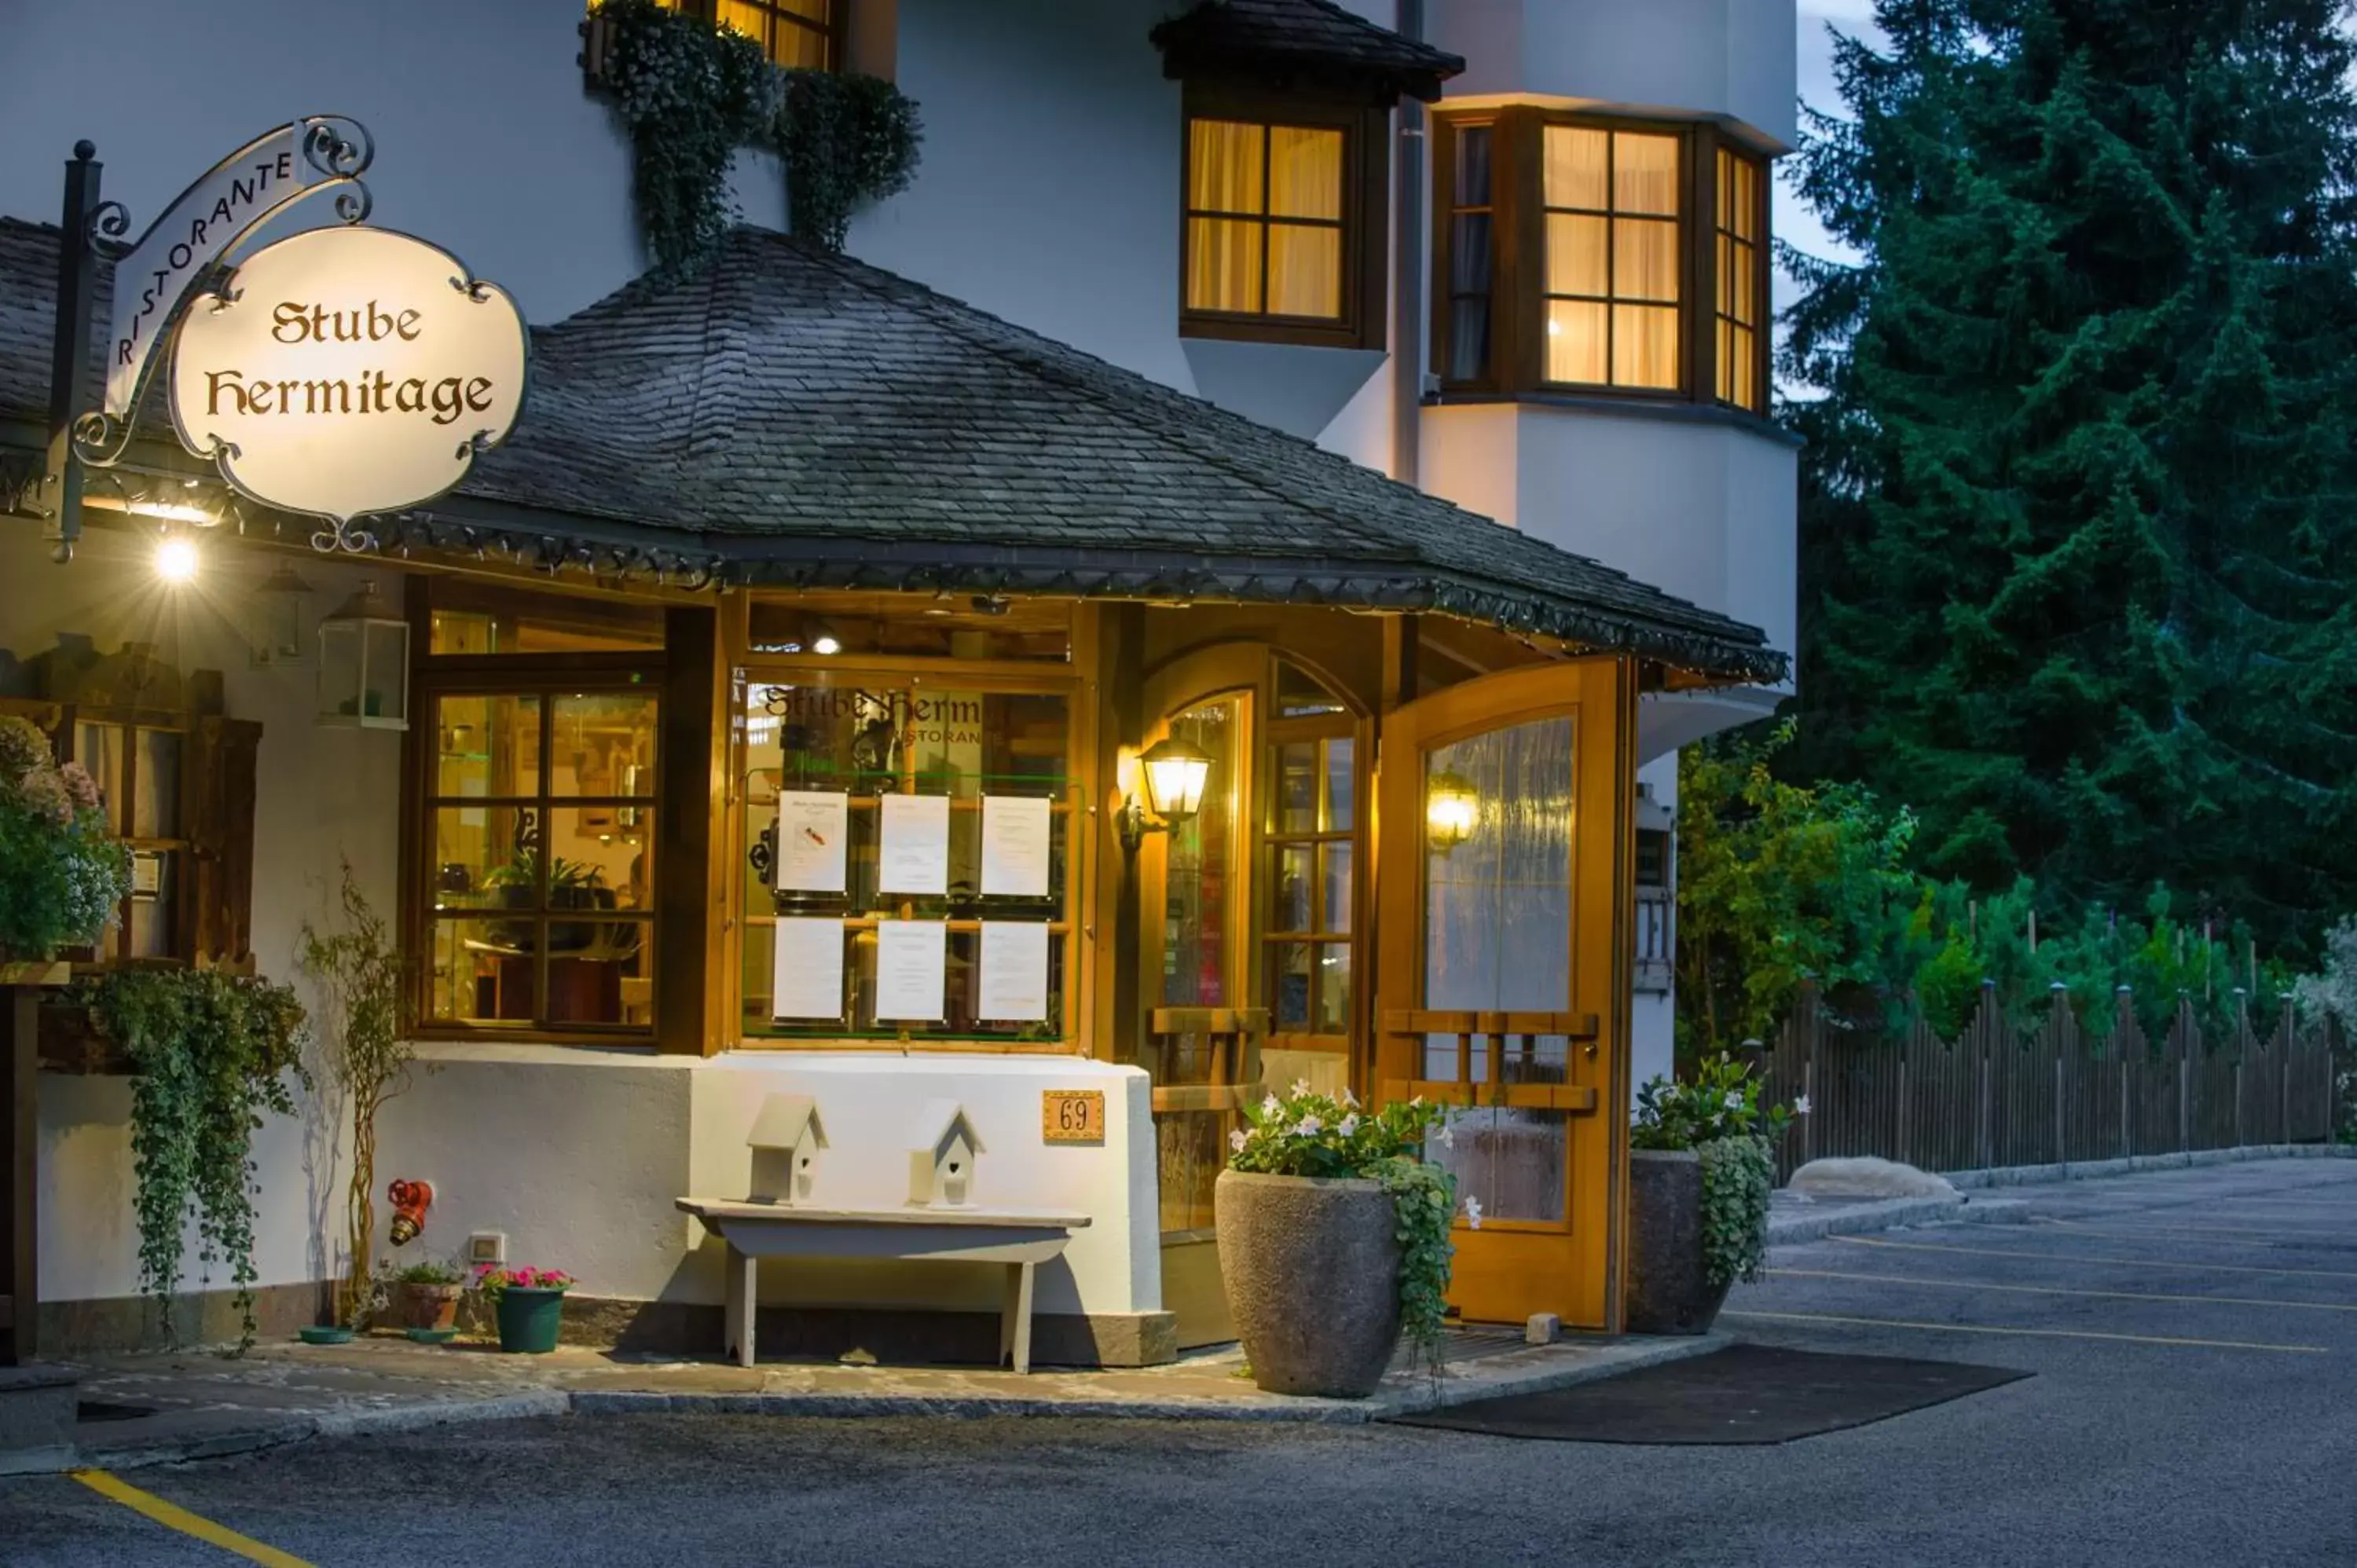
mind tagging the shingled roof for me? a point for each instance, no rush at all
(1290, 37)
(788, 416)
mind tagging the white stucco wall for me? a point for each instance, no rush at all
(321, 793)
(1733, 57)
(577, 1155)
(1698, 508)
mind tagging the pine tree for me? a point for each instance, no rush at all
(2077, 562)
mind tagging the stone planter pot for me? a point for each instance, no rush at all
(430, 1306)
(1668, 1290)
(1312, 1272)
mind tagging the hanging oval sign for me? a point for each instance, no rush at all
(347, 370)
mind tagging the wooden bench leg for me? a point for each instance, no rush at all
(1015, 1322)
(743, 1301)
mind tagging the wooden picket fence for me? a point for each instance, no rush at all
(1996, 1096)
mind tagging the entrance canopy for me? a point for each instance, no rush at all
(792, 418)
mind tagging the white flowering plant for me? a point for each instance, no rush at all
(1305, 1134)
(1723, 1115)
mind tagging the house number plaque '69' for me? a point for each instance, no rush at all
(1071, 1116)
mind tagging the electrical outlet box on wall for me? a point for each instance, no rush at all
(487, 1249)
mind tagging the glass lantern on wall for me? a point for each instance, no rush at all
(364, 664)
(274, 620)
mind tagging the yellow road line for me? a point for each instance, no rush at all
(171, 1515)
(2029, 1333)
(2057, 1290)
(2076, 1258)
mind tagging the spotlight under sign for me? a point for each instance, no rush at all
(346, 372)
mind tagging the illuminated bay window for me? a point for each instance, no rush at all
(804, 35)
(1575, 260)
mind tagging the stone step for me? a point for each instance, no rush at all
(36, 1418)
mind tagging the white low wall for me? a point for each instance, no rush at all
(577, 1155)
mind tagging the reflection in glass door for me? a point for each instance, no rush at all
(1202, 928)
(1498, 933)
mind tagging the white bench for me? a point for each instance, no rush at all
(1020, 1238)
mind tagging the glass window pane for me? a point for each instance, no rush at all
(1304, 173)
(1498, 907)
(1342, 779)
(482, 970)
(100, 748)
(1644, 260)
(1223, 166)
(600, 972)
(1744, 214)
(1300, 693)
(1334, 887)
(1304, 271)
(1578, 262)
(798, 48)
(1200, 882)
(1726, 189)
(1575, 341)
(752, 20)
(1224, 264)
(487, 744)
(1644, 173)
(1743, 270)
(1296, 786)
(1574, 171)
(486, 857)
(1468, 254)
(602, 857)
(156, 799)
(153, 923)
(603, 744)
(1644, 345)
(1332, 1016)
(1292, 1001)
(1725, 266)
(1469, 338)
(1726, 330)
(1290, 910)
(1745, 371)
(1473, 166)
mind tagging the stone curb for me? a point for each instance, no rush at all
(2085, 1170)
(1477, 1383)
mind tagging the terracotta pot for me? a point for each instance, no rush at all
(430, 1306)
(1312, 1272)
(1669, 1291)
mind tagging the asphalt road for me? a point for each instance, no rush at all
(2193, 1333)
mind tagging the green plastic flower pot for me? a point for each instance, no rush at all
(529, 1320)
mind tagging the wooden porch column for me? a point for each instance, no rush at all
(694, 827)
(19, 1137)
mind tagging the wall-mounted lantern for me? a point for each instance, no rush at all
(364, 664)
(274, 631)
(1171, 775)
(1451, 807)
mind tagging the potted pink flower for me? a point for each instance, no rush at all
(529, 1303)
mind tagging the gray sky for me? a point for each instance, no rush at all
(1792, 221)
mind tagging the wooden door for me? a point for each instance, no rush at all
(1503, 987)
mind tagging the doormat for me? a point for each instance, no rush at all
(1743, 1395)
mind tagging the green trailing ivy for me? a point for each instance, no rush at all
(692, 92)
(847, 141)
(1720, 1114)
(1737, 1175)
(1304, 1133)
(212, 1051)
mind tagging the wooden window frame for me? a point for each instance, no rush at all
(1753, 399)
(1365, 223)
(546, 676)
(986, 676)
(1515, 366)
(1611, 299)
(830, 34)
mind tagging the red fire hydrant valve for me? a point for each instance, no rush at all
(410, 1201)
